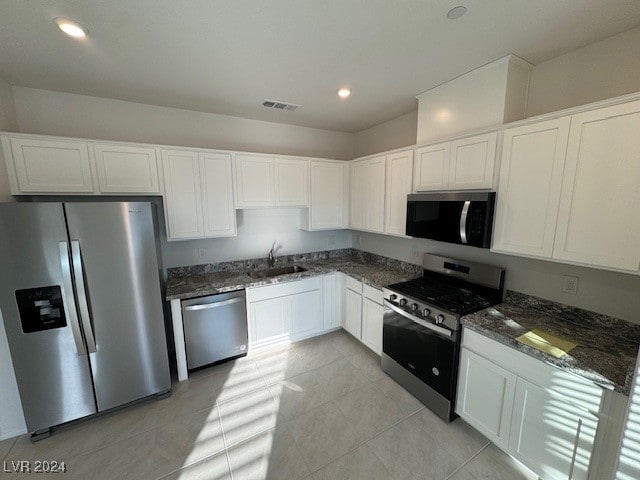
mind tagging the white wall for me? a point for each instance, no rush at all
(11, 417)
(610, 293)
(8, 123)
(605, 69)
(257, 230)
(66, 114)
(396, 133)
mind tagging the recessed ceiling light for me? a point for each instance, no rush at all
(456, 12)
(344, 92)
(71, 28)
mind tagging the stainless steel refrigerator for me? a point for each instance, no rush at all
(81, 303)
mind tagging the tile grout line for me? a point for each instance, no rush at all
(357, 446)
(468, 460)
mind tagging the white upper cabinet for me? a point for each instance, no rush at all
(472, 162)
(598, 218)
(292, 181)
(255, 186)
(328, 196)
(124, 169)
(464, 164)
(183, 194)
(48, 166)
(399, 176)
(531, 169)
(431, 170)
(263, 181)
(367, 194)
(358, 193)
(216, 177)
(198, 194)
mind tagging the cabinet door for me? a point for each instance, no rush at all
(292, 182)
(431, 170)
(472, 162)
(306, 314)
(327, 195)
(254, 181)
(358, 206)
(216, 179)
(547, 429)
(353, 313)
(598, 219)
(372, 325)
(51, 166)
(485, 396)
(529, 188)
(374, 199)
(330, 302)
(399, 184)
(268, 321)
(123, 169)
(183, 198)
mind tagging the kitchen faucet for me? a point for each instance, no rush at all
(271, 259)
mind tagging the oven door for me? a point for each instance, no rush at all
(427, 351)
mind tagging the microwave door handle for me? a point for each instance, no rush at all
(463, 222)
(82, 296)
(69, 300)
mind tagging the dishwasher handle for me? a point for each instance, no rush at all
(206, 306)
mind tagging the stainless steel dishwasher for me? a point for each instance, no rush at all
(215, 328)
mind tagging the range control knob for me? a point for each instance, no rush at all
(440, 319)
(414, 307)
(393, 296)
(426, 312)
(403, 301)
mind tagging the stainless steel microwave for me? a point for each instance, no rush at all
(465, 218)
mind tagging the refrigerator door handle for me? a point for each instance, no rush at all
(82, 296)
(69, 301)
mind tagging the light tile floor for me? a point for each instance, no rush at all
(321, 409)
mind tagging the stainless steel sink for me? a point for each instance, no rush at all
(275, 272)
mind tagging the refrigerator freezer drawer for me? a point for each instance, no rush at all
(215, 328)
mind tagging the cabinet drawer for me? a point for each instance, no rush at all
(282, 289)
(579, 390)
(353, 284)
(372, 293)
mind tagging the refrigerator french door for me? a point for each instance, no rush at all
(81, 303)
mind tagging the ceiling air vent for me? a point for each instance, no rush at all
(280, 105)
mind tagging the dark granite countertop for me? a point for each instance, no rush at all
(199, 280)
(607, 347)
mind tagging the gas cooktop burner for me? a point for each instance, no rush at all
(448, 297)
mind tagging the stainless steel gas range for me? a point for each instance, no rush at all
(421, 329)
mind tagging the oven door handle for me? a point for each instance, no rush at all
(439, 330)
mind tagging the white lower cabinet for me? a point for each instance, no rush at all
(372, 325)
(331, 300)
(353, 313)
(545, 417)
(549, 433)
(284, 312)
(363, 313)
(485, 396)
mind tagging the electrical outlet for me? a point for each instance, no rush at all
(202, 253)
(332, 240)
(358, 240)
(570, 284)
(415, 253)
